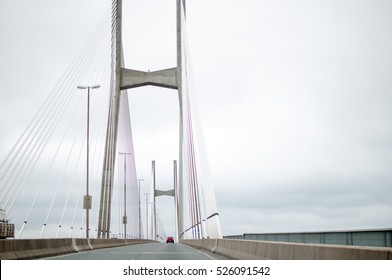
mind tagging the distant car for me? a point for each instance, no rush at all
(170, 240)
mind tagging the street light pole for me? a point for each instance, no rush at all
(125, 219)
(140, 218)
(147, 194)
(87, 197)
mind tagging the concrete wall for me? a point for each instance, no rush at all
(262, 250)
(377, 238)
(22, 249)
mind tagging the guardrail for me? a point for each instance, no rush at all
(22, 249)
(377, 238)
(263, 250)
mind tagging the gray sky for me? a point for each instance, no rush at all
(294, 96)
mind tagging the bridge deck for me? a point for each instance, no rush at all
(148, 251)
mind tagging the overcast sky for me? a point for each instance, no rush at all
(295, 98)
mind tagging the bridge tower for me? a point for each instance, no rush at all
(123, 79)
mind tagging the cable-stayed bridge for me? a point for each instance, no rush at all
(45, 189)
(72, 172)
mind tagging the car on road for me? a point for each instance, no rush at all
(170, 240)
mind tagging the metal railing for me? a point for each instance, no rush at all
(370, 237)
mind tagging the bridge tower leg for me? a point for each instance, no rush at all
(181, 8)
(112, 126)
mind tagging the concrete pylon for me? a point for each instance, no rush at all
(156, 193)
(124, 78)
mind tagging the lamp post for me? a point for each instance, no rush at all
(87, 197)
(147, 194)
(125, 219)
(140, 218)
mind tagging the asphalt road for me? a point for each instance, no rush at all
(147, 251)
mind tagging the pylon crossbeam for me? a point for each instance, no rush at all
(162, 193)
(166, 78)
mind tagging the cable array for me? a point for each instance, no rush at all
(43, 172)
(202, 210)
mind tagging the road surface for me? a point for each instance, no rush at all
(146, 251)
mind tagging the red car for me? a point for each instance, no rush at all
(170, 240)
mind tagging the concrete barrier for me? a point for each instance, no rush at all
(31, 248)
(325, 252)
(107, 243)
(22, 249)
(82, 244)
(255, 250)
(7, 250)
(206, 244)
